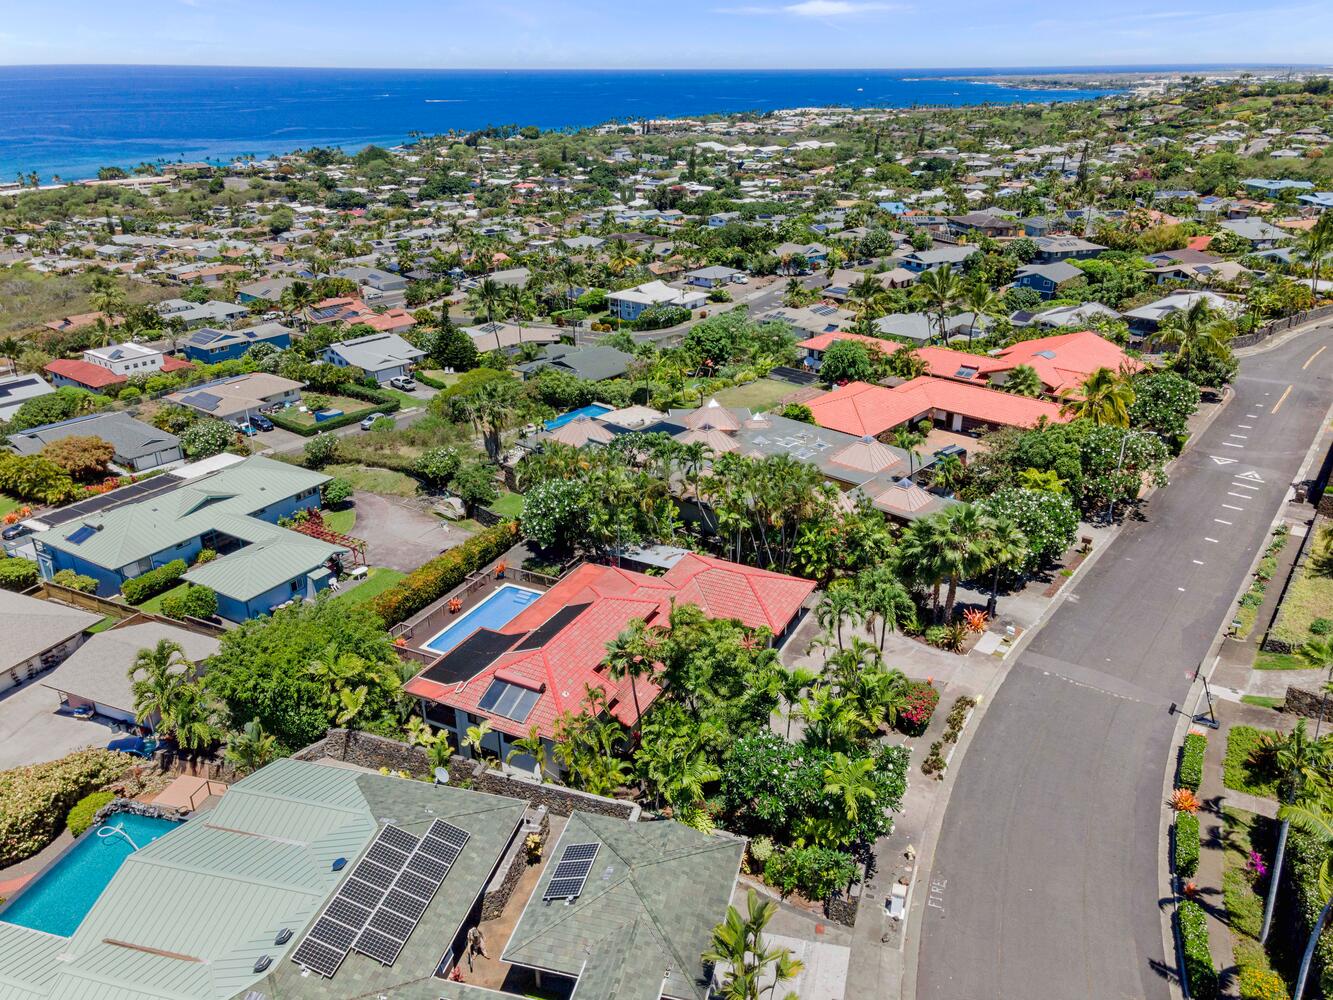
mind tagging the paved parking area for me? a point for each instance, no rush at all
(33, 731)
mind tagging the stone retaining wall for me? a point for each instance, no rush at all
(135, 808)
(513, 865)
(1301, 701)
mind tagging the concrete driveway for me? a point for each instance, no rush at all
(399, 535)
(33, 731)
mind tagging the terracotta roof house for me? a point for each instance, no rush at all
(532, 669)
(815, 346)
(863, 409)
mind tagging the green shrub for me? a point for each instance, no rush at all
(192, 602)
(205, 556)
(320, 450)
(152, 583)
(1187, 844)
(81, 816)
(336, 492)
(761, 849)
(1321, 626)
(1191, 761)
(35, 800)
(1261, 984)
(376, 399)
(442, 574)
(17, 574)
(814, 872)
(75, 581)
(1198, 960)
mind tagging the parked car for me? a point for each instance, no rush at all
(247, 430)
(15, 531)
(370, 420)
(139, 746)
(261, 422)
(404, 382)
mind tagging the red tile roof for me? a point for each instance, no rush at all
(93, 376)
(1075, 357)
(863, 409)
(569, 661)
(822, 341)
(390, 322)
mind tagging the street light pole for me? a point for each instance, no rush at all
(1119, 463)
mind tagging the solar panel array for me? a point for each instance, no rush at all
(414, 883)
(572, 871)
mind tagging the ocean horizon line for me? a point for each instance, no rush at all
(1056, 68)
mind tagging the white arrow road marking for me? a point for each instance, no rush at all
(1252, 476)
(1223, 461)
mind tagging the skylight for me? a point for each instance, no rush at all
(508, 700)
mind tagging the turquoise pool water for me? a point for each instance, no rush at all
(499, 608)
(592, 410)
(59, 900)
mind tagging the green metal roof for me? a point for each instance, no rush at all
(644, 917)
(127, 534)
(263, 564)
(186, 917)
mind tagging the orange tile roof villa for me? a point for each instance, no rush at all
(863, 409)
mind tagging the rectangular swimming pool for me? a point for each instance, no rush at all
(495, 611)
(591, 410)
(62, 896)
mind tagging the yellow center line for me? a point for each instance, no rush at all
(1313, 356)
(1282, 399)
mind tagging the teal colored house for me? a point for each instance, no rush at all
(234, 512)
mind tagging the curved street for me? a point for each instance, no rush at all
(1045, 879)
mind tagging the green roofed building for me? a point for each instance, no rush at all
(217, 909)
(233, 511)
(635, 928)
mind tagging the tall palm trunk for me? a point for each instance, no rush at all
(952, 598)
(1273, 877)
(994, 601)
(1309, 951)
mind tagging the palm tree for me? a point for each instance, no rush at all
(919, 555)
(962, 548)
(853, 782)
(1023, 380)
(630, 654)
(738, 943)
(351, 701)
(980, 300)
(155, 677)
(1299, 763)
(620, 257)
(840, 601)
(886, 599)
(1199, 331)
(1318, 242)
(1006, 548)
(485, 298)
(494, 408)
(336, 672)
(475, 734)
(1104, 398)
(107, 298)
(532, 746)
(940, 290)
(252, 748)
(948, 472)
(191, 717)
(1318, 653)
(908, 438)
(1316, 819)
(297, 298)
(791, 684)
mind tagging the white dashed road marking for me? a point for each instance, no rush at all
(1207, 539)
(1232, 506)
(1220, 521)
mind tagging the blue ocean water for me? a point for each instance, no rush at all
(70, 120)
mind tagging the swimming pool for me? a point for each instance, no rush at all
(591, 410)
(498, 609)
(61, 897)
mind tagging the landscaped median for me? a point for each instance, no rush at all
(1186, 846)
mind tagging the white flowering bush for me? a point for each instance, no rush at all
(1049, 520)
(35, 800)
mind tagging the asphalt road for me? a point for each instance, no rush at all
(1044, 883)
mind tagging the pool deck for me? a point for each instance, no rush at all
(18, 875)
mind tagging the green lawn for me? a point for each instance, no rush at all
(103, 625)
(345, 403)
(408, 399)
(8, 504)
(368, 480)
(1262, 700)
(440, 376)
(761, 394)
(1279, 661)
(1242, 891)
(341, 521)
(1310, 595)
(1238, 770)
(380, 579)
(509, 505)
(153, 605)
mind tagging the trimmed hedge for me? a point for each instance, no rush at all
(425, 379)
(381, 401)
(1262, 984)
(1198, 960)
(430, 582)
(17, 574)
(81, 816)
(35, 800)
(152, 583)
(192, 602)
(75, 581)
(1191, 761)
(815, 872)
(1187, 844)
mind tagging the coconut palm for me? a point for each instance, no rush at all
(919, 556)
(981, 300)
(908, 438)
(885, 600)
(1318, 243)
(940, 291)
(631, 654)
(251, 748)
(791, 685)
(962, 549)
(738, 944)
(1316, 819)
(1023, 380)
(155, 677)
(620, 257)
(1104, 398)
(840, 602)
(1197, 332)
(1006, 549)
(948, 472)
(532, 746)
(494, 408)
(192, 717)
(486, 298)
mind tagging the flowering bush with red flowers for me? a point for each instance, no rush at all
(918, 707)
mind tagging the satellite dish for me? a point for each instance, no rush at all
(441, 776)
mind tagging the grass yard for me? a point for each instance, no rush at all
(380, 579)
(761, 394)
(408, 399)
(153, 606)
(345, 403)
(103, 625)
(341, 521)
(509, 505)
(448, 378)
(1310, 595)
(383, 481)
(8, 504)
(1262, 701)
(1279, 661)
(1238, 771)
(32, 298)
(1242, 890)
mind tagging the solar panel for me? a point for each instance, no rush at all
(361, 893)
(571, 872)
(401, 902)
(449, 833)
(318, 957)
(400, 839)
(379, 946)
(81, 534)
(389, 857)
(438, 849)
(580, 852)
(395, 925)
(565, 888)
(330, 932)
(348, 913)
(376, 875)
(416, 885)
(427, 867)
